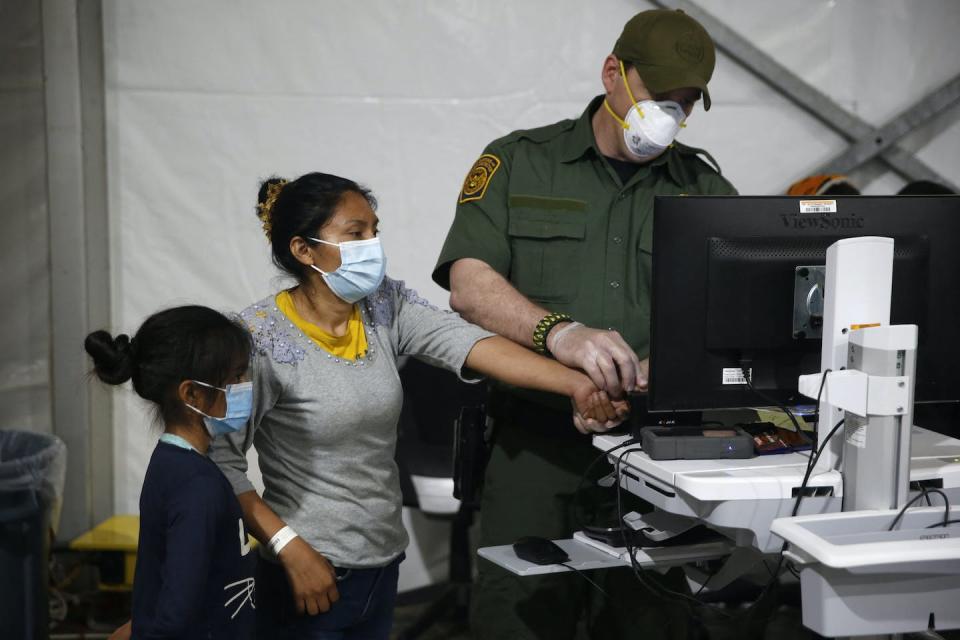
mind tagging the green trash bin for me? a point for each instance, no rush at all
(32, 469)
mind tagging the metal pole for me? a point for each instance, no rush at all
(914, 116)
(79, 280)
(802, 94)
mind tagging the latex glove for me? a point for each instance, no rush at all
(643, 380)
(602, 355)
(311, 576)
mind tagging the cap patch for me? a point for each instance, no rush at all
(475, 185)
(690, 46)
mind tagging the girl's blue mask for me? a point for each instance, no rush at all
(239, 407)
(361, 270)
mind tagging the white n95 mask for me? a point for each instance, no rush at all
(649, 126)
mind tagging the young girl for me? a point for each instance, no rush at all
(194, 576)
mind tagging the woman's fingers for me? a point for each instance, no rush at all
(312, 578)
(580, 423)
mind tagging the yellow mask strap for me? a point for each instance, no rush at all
(622, 122)
(606, 105)
(623, 73)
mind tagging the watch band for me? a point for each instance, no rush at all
(543, 327)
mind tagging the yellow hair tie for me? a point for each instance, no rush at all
(265, 208)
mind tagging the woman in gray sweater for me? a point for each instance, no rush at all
(327, 399)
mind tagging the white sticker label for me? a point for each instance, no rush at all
(734, 375)
(856, 435)
(818, 206)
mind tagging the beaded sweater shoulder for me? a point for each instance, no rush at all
(274, 335)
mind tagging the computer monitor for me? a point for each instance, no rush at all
(733, 287)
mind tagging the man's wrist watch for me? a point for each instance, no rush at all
(543, 328)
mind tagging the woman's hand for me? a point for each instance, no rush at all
(312, 578)
(594, 411)
(513, 364)
(123, 632)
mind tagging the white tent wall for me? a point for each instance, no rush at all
(204, 99)
(24, 255)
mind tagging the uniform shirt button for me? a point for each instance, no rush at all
(615, 284)
(621, 196)
(617, 239)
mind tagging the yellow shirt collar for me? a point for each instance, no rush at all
(349, 346)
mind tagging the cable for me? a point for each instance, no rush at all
(658, 590)
(627, 534)
(585, 577)
(628, 539)
(823, 383)
(764, 563)
(706, 582)
(943, 524)
(601, 456)
(812, 460)
(773, 402)
(811, 464)
(923, 492)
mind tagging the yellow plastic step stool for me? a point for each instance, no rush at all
(116, 535)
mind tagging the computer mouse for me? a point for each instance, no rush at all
(539, 551)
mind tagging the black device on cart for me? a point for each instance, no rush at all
(696, 443)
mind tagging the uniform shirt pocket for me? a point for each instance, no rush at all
(546, 241)
(645, 237)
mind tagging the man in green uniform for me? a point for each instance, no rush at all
(551, 246)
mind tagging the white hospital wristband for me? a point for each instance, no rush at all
(280, 539)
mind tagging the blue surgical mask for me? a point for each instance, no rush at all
(361, 270)
(239, 407)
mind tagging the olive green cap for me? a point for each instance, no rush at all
(670, 50)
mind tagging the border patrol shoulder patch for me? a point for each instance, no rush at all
(475, 184)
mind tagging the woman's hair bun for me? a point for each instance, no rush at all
(275, 182)
(113, 358)
(266, 200)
